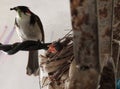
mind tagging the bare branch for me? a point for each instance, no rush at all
(24, 46)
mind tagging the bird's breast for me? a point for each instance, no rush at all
(27, 31)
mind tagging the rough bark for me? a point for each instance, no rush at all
(92, 46)
(116, 36)
(105, 21)
(84, 70)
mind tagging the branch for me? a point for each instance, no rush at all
(35, 45)
(24, 46)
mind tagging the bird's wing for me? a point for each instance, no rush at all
(35, 18)
(41, 27)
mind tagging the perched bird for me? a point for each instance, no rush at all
(29, 27)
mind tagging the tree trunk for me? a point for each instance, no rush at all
(116, 36)
(92, 26)
(84, 70)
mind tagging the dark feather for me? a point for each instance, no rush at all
(16, 24)
(35, 19)
(32, 19)
(33, 64)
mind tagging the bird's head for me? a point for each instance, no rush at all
(22, 10)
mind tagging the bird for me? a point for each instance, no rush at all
(29, 27)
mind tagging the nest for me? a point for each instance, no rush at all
(56, 62)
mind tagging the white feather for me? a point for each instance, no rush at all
(27, 31)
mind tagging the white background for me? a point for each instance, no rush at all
(55, 16)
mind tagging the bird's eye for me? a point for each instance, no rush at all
(27, 11)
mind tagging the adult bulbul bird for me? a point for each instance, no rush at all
(29, 27)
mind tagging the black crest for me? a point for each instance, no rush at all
(23, 8)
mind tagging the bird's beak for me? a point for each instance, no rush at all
(17, 10)
(13, 8)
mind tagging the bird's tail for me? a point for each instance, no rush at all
(33, 64)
